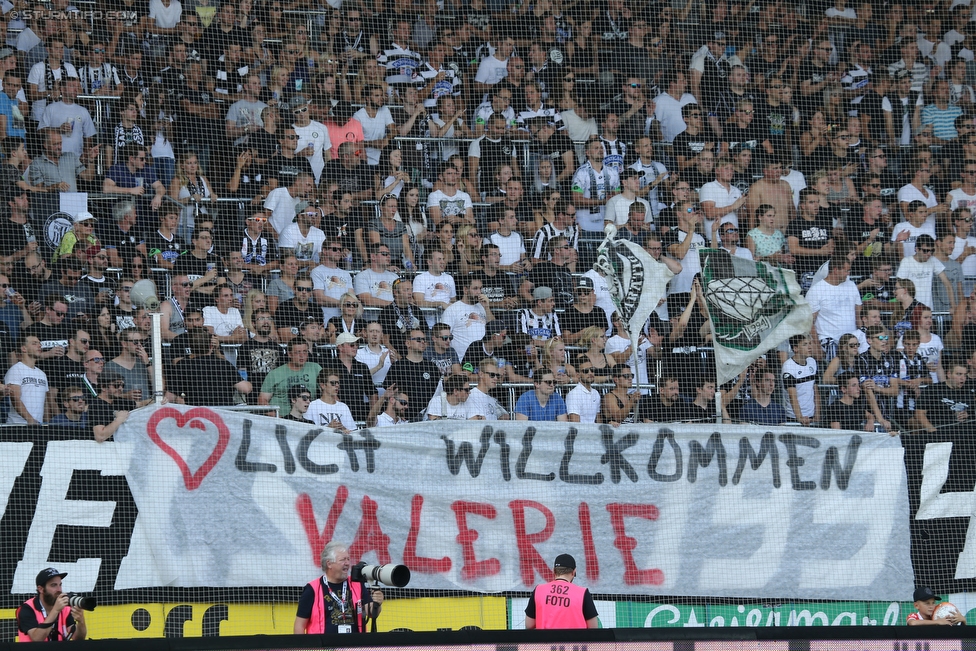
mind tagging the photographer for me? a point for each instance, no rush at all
(559, 603)
(333, 603)
(47, 616)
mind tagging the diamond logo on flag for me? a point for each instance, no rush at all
(752, 306)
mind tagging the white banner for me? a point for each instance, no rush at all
(229, 500)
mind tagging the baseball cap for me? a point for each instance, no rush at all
(297, 390)
(584, 282)
(565, 561)
(900, 74)
(109, 377)
(49, 573)
(6, 52)
(83, 216)
(629, 174)
(298, 101)
(495, 326)
(541, 293)
(924, 593)
(301, 207)
(346, 338)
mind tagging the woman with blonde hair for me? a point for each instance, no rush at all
(350, 318)
(554, 358)
(595, 340)
(254, 301)
(468, 245)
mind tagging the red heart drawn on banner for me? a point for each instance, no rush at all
(192, 480)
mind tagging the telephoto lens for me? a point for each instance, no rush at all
(85, 603)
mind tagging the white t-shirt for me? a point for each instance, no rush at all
(602, 291)
(720, 197)
(618, 344)
(315, 134)
(436, 289)
(439, 406)
(908, 246)
(377, 284)
(451, 206)
(969, 264)
(482, 404)
(835, 307)
(371, 359)
(909, 193)
(374, 129)
(282, 206)
(618, 208)
(467, 324)
(306, 247)
(923, 275)
(512, 246)
(334, 283)
(33, 391)
(385, 420)
(593, 184)
(59, 113)
(668, 112)
(959, 199)
(931, 352)
(491, 70)
(585, 403)
(802, 377)
(690, 264)
(222, 324)
(321, 413)
(165, 17)
(36, 76)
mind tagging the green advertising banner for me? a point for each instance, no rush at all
(846, 613)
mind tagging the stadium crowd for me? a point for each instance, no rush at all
(375, 213)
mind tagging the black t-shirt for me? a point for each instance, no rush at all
(497, 287)
(814, 74)
(849, 416)
(102, 413)
(112, 237)
(556, 278)
(651, 408)
(812, 235)
(258, 359)
(286, 170)
(418, 379)
(63, 372)
(27, 619)
(335, 615)
(357, 179)
(688, 145)
(397, 323)
(289, 316)
(941, 403)
(553, 149)
(14, 237)
(870, 106)
(773, 122)
(195, 268)
(51, 336)
(356, 387)
(572, 320)
(168, 250)
(205, 380)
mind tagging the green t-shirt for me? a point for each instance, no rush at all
(283, 378)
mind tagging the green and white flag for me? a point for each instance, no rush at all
(753, 307)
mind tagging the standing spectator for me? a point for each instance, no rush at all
(434, 288)
(946, 403)
(593, 185)
(133, 366)
(260, 354)
(223, 320)
(761, 409)
(377, 121)
(303, 238)
(400, 316)
(329, 411)
(922, 268)
(906, 233)
(46, 77)
(800, 382)
(878, 371)
(940, 113)
(667, 406)
(419, 377)
(540, 322)
(108, 412)
(75, 412)
(720, 199)
(450, 202)
(943, 301)
(618, 207)
(668, 104)
(836, 305)
(541, 403)
(73, 121)
(26, 384)
(810, 238)
(468, 316)
(480, 404)
(850, 411)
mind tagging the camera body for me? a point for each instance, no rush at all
(85, 603)
(390, 574)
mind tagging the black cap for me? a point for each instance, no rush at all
(629, 173)
(495, 326)
(297, 390)
(924, 594)
(565, 561)
(584, 282)
(49, 573)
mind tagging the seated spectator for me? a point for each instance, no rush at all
(583, 401)
(331, 285)
(77, 296)
(761, 409)
(75, 409)
(203, 268)
(377, 357)
(594, 339)
(79, 239)
(298, 370)
(802, 397)
(540, 322)
(396, 402)
(418, 376)
(850, 411)
(583, 313)
(947, 403)
(223, 320)
(300, 399)
(110, 410)
(434, 288)
(541, 403)
(922, 268)
(350, 318)
(469, 315)
(292, 313)
(619, 403)
(441, 352)
(400, 316)
(328, 410)
(667, 406)
(374, 285)
(907, 311)
(204, 378)
(451, 401)
(480, 404)
(133, 176)
(260, 354)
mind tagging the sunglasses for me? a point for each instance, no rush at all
(306, 397)
(291, 137)
(97, 360)
(635, 85)
(447, 337)
(78, 399)
(298, 111)
(882, 337)
(493, 376)
(260, 220)
(333, 383)
(350, 305)
(853, 345)
(303, 289)
(403, 402)
(117, 385)
(968, 220)
(547, 381)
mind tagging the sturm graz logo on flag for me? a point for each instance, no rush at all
(746, 300)
(624, 271)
